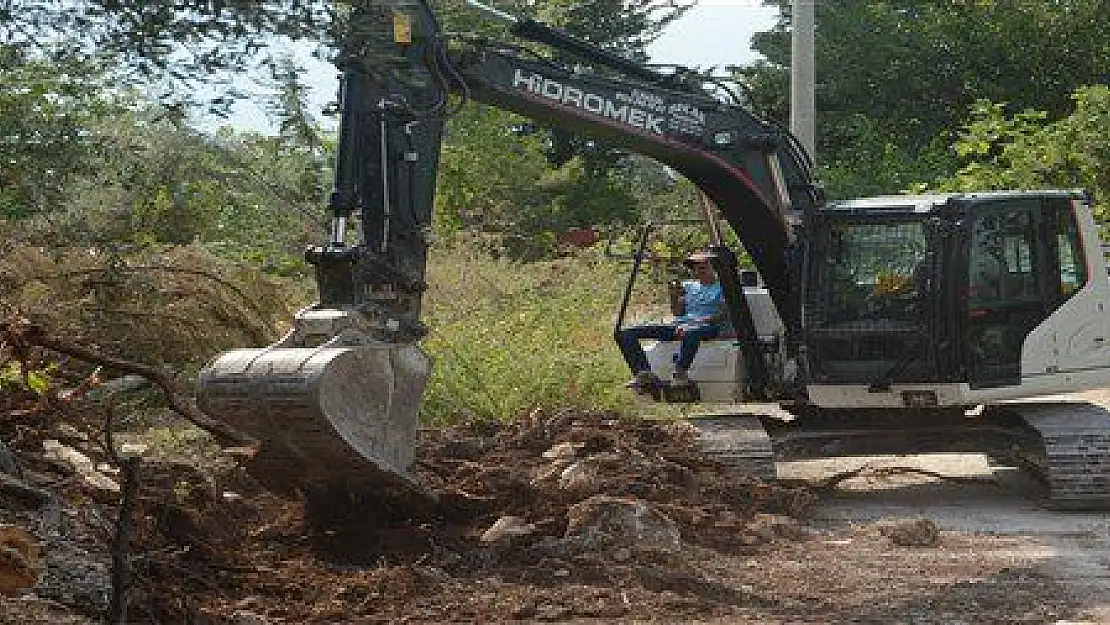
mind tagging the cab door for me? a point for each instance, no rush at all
(1004, 298)
(1075, 336)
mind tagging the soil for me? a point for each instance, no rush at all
(572, 518)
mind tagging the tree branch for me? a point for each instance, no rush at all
(833, 482)
(24, 332)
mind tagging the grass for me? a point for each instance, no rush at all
(509, 337)
(506, 337)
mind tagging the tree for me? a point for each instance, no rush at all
(493, 175)
(162, 37)
(45, 110)
(487, 171)
(913, 67)
(163, 182)
(1027, 150)
(617, 26)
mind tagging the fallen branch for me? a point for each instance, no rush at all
(26, 333)
(249, 318)
(833, 482)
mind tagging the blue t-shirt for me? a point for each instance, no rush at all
(703, 301)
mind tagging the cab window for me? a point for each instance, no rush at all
(1069, 253)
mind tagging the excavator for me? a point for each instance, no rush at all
(888, 325)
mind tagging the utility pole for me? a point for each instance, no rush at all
(803, 106)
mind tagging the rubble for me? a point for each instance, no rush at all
(101, 485)
(506, 528)
(644, 528)
(604, 522)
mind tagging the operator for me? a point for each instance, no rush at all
(700, 316)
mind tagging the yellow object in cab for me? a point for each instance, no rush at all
(402, 28)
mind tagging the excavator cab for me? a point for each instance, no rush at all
(956, 299)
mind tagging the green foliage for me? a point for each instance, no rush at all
(872, 163)
(45, 109)
(37, 379)
(621, 26)
(168, 442)
(578, 197)
(913, 68)
(145, 36)
(495, 179)
(255, 199)
(508, 337)
(916, 66)
(1028, 150)
(487, 172)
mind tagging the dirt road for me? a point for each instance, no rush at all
(1001, 556)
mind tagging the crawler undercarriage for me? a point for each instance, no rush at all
(1065, 444)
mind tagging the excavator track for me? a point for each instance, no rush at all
(1066, 445)
(1073, 458)
(739, 442)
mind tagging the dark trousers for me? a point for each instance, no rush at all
(629, 341)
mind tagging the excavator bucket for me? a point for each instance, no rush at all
(324, 416)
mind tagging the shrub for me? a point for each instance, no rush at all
(508, 337)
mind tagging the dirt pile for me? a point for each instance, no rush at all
(553, 517)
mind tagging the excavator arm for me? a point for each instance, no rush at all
(345, 383)
(397, 71)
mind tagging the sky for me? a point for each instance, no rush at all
(715, 33)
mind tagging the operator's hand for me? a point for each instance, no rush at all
(679, 331)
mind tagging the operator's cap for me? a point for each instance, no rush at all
(698, 257)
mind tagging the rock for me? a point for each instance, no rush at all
(771, 526)
(433, 574)
(65, 430)
(764, 533)
(246, 617)
(603, 521)
(552, 471)
(133, 449)
(552, 612)
(582, 476)
(82, 466)
(507, 528)
(563, 450)
(20, 559)
(107, 469)
(609, 471)
(912, 532)
(750, 540)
